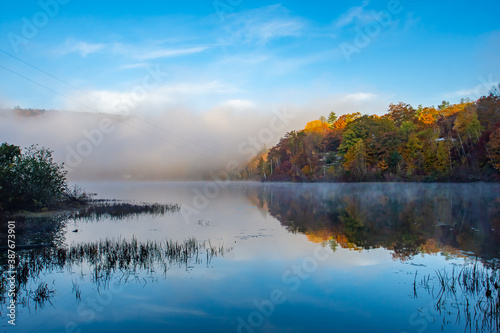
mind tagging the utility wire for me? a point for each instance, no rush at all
(108, 115)
(103, 101)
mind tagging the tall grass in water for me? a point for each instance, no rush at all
(47, 230)
(107, 259)
(42, 294)
(472, 293)
(116, 210)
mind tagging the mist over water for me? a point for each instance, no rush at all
(335, 252)
(176, 144)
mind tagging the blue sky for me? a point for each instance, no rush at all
(245, 54)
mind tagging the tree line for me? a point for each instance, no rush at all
(451, 142)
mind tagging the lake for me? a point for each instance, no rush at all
(258, 257)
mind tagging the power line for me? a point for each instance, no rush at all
(91, 108)
(103, 101)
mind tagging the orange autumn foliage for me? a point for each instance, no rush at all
(345, 119)
(428, 116)
(317, 126)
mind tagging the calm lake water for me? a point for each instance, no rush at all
(252, 257)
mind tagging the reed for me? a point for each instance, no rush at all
(471, 293)
(115, 210)
(42, 294)
(105, 260)
(76, 290)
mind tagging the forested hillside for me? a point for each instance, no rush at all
(459, 142)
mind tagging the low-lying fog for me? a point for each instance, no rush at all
(176, 144)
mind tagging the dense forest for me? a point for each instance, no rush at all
(453, 142)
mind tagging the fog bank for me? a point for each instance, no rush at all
(176, 144)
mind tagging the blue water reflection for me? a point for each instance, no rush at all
(291, 258)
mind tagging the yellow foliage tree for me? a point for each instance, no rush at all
(467, 124)
(442, 162)
(306, 170)
(356, 158)
(455, 108)
(382, 165)
(428, 116)
(317, 126)
(345, 119)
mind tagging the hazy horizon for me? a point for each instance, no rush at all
(174, 145)
(197, 83)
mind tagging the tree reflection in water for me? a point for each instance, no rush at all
(457, 219)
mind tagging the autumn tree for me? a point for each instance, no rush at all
(341, 122)
(494, 149)
(378, 134)
(355, 158)
(427, 116)
(317, 126)
(407, 127)
(413, 154)
(442, 161)
(401, 112)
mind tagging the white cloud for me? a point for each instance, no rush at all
(484, 86)
(259, 26)
(360, 96)
(136, 52)
(462, 92)
(473, 93)
(197, 88)
(83, 48)
(164, 53)
(110, 101)
(360, 16)
(357, 13)
(266, 31)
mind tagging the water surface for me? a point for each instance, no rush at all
(252, 257)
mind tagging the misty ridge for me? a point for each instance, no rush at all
(179, 143)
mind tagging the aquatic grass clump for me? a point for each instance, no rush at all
(120, 210)
(471, 293)
(42, 294)
(106, 259)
